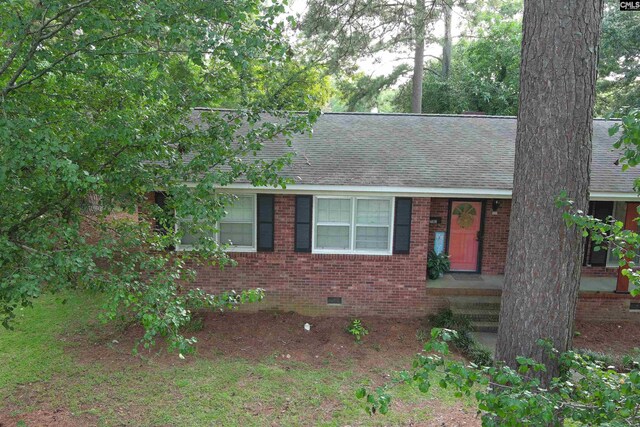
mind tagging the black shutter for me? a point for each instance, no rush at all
(402, 226)
(600, 210)
(160, 222)
(265, 222)
(304, 206)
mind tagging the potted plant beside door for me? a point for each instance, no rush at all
(437, 265)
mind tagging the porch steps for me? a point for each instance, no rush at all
(483, 311)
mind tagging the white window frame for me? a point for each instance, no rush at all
(352, 227)
(234, 248)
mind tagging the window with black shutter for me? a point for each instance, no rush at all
(265, 222)
(304, 206)
(402, 226)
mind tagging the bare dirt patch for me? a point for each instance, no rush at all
(49, 417)
(281, 336)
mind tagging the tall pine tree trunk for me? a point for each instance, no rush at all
(553, 154)
(418, 58)
(446, 45)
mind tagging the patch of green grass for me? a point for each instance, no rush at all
(34, 350)
(198, 391)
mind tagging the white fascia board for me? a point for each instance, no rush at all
(614, 196)
(484, 193)
(378, 190)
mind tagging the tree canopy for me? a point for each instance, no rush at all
(95, 105)
(484, 73)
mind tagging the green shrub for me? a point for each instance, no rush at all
(437, 264)
(596, 357)
(447, 319)
(463, 339)
(480, 355)
(357, 329)
(589, 394)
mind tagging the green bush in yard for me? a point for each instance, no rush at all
(586, 391)
(462, 340)
(596, 356)
(437, 264)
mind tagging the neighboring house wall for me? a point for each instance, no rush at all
(389, 285)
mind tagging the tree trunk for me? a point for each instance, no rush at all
(446, 45)
(553, 154)
(418, 58)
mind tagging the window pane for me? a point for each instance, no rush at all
(334, 210)
(189, 239)
(237, 234)
(376, 238)
(241, 210)
(332, 237)
(376, 212)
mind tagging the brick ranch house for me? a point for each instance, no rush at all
(374, 193)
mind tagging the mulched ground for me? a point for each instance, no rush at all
(256, 336)
(615, 338)
(281, 336)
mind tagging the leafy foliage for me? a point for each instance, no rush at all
(463, 340)
(361, 92)
(341, 32)
(618, 86)
(338, 34)
(96, 111)
(437, 264)
(586, 392)
(357, 329)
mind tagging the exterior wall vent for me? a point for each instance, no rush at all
(334, 300)
(634, 306)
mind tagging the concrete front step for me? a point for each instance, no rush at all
(482, 311)
(475, 301)
(485, 326)
(481, 317)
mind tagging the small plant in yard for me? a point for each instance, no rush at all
(196, 324)
(437, 264)
(357, 329)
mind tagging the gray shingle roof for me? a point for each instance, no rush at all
(427, 151)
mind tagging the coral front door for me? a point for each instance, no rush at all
(465, 222)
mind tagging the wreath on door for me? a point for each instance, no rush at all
(465, 213)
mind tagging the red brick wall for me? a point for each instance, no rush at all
(496, 236)
(605, 307)
(369, 285)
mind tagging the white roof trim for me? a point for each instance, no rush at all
(412, 191)
(615, 196)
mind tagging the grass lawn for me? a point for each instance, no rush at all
(61, 367)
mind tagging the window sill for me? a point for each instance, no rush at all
(338, 252)
(190, 248)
